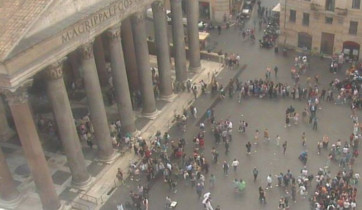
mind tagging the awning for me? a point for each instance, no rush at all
(276, 8)
(203, 35)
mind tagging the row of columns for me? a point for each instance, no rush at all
(57, 94)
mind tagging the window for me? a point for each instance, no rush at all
(305, 19)
(353, 25)
(356, 4)
(330, 5)
(329, 20)
(293, 15)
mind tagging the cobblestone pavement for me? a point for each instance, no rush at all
(260, 114)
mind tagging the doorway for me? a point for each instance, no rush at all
(327, 43)
(204, 10)
(304, 41)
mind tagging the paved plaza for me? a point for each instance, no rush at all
(267, 157)
(103, 190)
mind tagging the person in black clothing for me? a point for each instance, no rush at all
(248, 147)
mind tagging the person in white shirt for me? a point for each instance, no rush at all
(269, 181)
(235, 164)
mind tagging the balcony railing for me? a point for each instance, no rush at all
(315, 6)
(342, 12)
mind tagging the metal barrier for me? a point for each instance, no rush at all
(88, 198)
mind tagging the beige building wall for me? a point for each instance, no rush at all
(217, 8)
(342, 15)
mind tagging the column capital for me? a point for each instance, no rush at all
(87, 50)
(19, 94)
(114, 33)
(138, 17)
(55, 70)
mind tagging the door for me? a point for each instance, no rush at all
(304, 41)
(327, 43)
(204, 9)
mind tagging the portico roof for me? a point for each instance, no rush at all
(17, 17)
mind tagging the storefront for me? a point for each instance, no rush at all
(205, 10)
(351, 50)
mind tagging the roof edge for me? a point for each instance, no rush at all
(6, 55)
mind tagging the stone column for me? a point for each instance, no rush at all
(59, 100)
(143, 63)
(100, 61)
(19, 106)
(5, 131)
(193, 34)
(163, 49)
(129, 53)
(96, 104)
(9, 195)
(178, 37)
(120, 81)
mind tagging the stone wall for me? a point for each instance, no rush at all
(342, 16)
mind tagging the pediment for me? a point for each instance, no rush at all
(61, 10)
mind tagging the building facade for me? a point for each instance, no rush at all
(322, 26)
(39, 37)
(212, 10)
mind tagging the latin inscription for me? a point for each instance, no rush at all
(116, 8)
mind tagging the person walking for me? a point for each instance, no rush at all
(248, 147)
(255, 174)
(235, 164)
(199, 189)
(212, 180)
(215, 154)
(319, 147)
(277, 140)
(276, 72)
(284, 147)
(244, 126)
(225, 166)
(262, 195)
(194, 90)
(269, 181)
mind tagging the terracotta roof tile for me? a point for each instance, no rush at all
(16, 18)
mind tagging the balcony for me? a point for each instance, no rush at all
(315, 6)
(341, 12)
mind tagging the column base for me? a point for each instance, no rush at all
(169, 98)
(6, 135)
(82, 185)
(197, 69)
(151, 115)
(110, 159)
(129, 128)
(12, 204)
